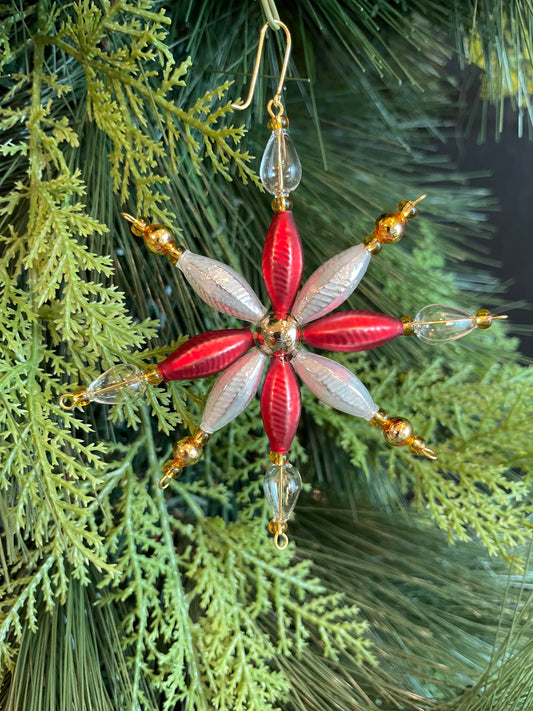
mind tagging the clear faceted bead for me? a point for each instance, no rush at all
(118, 384)
(443, 323)
(281, 170)
(282, 485)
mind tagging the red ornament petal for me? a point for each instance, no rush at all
(283, 262)
(352, 331)
(206, 354)
(281, 404)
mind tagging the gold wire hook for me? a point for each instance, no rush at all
(255, 72)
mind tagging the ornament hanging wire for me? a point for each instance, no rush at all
(276, 101)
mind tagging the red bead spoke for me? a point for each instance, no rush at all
(352, 331)
(206, 354)
(282, 262)
(281, 404)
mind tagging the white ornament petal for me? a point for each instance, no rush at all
(233, 391)
(331, 284)
(221, 287)
(334, 384)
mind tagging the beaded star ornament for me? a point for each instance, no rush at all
(278, 338)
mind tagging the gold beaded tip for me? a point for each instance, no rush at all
(398, 432)
(389, 227)
(484, 318)
(185, 452)
(157, 238)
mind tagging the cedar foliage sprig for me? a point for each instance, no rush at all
(134, 86)
(196, 612)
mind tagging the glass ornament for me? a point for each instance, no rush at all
(282, 486)
(280, 170)
(437, 323)
(117, 385)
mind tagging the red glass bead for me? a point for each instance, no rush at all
(282, 262)
(206, 354)
(281, 404)
(352, 331)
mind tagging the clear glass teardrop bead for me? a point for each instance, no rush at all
(442, 324)
(280, 170)
(117, 385)
(282, 486)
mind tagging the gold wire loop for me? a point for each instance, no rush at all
(68, 401)
(429, 453)
(275, 104)
(255, 71)
(281, 541)
(165, 480)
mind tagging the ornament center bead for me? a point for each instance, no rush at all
(277, 334)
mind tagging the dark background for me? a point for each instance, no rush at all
(506, 162)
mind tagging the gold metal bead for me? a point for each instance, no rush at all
(158, 238)
(277, 526)
(174, 253)
(186, 451)
(372, 244)
(380, 419)
(408, 325)
(407, 209)
(200, 437)
(274, 334)
(389, 227)
(281, 204)
(152, 374)
(169, 466)
(278, 122)
(138, 224)
(483, 318)
(417, 445)
(279, 458)
(397, 431)
(171, 470)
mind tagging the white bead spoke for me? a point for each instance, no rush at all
(334, 384)
(233, 391)
(331, 284)
(221, 287)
